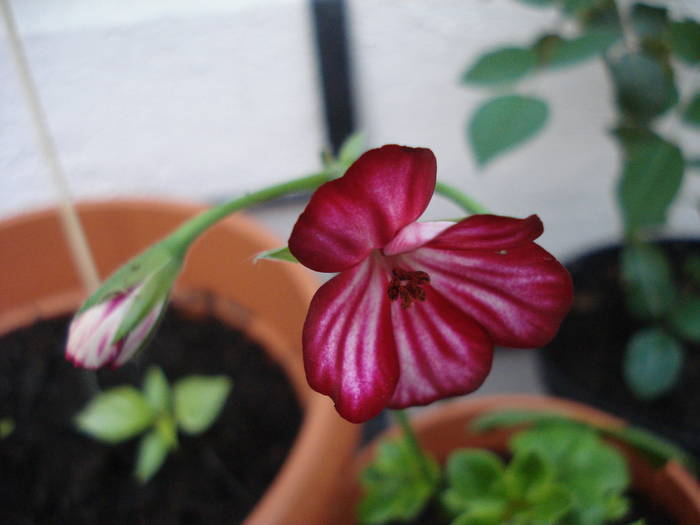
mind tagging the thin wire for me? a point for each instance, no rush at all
(70, 221)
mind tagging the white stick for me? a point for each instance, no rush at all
(72, 228)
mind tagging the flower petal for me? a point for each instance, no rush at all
(441, 352)
(415, 235)
(490, 232)
(349, 350)
(383, 191)
(519, 295)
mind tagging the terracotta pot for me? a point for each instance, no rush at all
(443, 428)
(267, 300)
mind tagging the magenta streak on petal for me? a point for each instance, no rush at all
(518, 296)
(114, 302)
(349, 350)
(442, 353)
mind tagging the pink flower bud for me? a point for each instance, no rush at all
(91, 334)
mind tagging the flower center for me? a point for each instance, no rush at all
(406, 286)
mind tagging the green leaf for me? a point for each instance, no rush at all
(649, 21)
(685, 40)
(153, 449)
(684, 318)
(510, 418)
(656, 450)
(503, 123)
(529, 474)
(647, 276)
(7, 427)
(652, 363)
(652, 176)
(501, 66)
(156, 390)
(589, 45)
(474, 473)
(691, 114)
(539, 3)
(552, 504)
(396, 484)
(691, 268)
(116, 415)
(575, 6)
(198, 401)
(644, 89)
(278, 254)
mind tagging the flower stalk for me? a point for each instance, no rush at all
(410, 436)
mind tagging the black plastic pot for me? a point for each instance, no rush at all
(584, 362)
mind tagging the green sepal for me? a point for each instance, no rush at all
(198, 400)
(277, 254)
(156, 390)
(397, 485)
(155, 290)
(652, 363)
(152, 451)
(135, 271)
(116, 415)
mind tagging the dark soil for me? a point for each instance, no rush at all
(52, 474)
(584, 362)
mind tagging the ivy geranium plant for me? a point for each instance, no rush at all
(155, 413)
(558, 472)
(644, 49)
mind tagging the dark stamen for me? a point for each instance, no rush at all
(406, 285)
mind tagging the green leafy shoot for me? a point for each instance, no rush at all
(503, 123)
(7, 427)
(561, 472)
(397, 485)
(155, 413)
(276, 254)
(648, 281)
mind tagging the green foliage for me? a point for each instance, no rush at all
(561, 473)
(501, 66)
(684, 318)
(158, 411)
(576, 50)
(648, 280)
(116, 415)
(504, 122)
(685, 40)
(644, 88)
(649, 21)
(198, 401)
(653, 360)
(277, 254)
(397, 485)
(652, 176)
(691, 113)
(7, 427)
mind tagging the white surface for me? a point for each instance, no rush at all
(205, 99)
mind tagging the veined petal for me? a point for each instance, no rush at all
(441, 352)
(349, 349)
(383, 191)
(414, 236)
(519, 295)
(138, 337)
(490, 232)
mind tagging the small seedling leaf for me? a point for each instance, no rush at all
(198, 401)
(156, 390)
(116, 415)
(153, 449)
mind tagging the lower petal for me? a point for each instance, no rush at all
(442, 353)
(349, 349)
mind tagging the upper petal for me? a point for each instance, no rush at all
(415, 235)
(490, 232)
(517, 291)
(349, 350)
(441, 352)
(383, 191)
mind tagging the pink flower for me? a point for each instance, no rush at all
(414, 313)
(91, 336)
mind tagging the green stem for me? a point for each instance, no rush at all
(181, 238)
(410, 435)
(461, 199)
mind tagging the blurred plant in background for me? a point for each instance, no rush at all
(643, 50)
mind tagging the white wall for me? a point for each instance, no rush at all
(204, 99)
